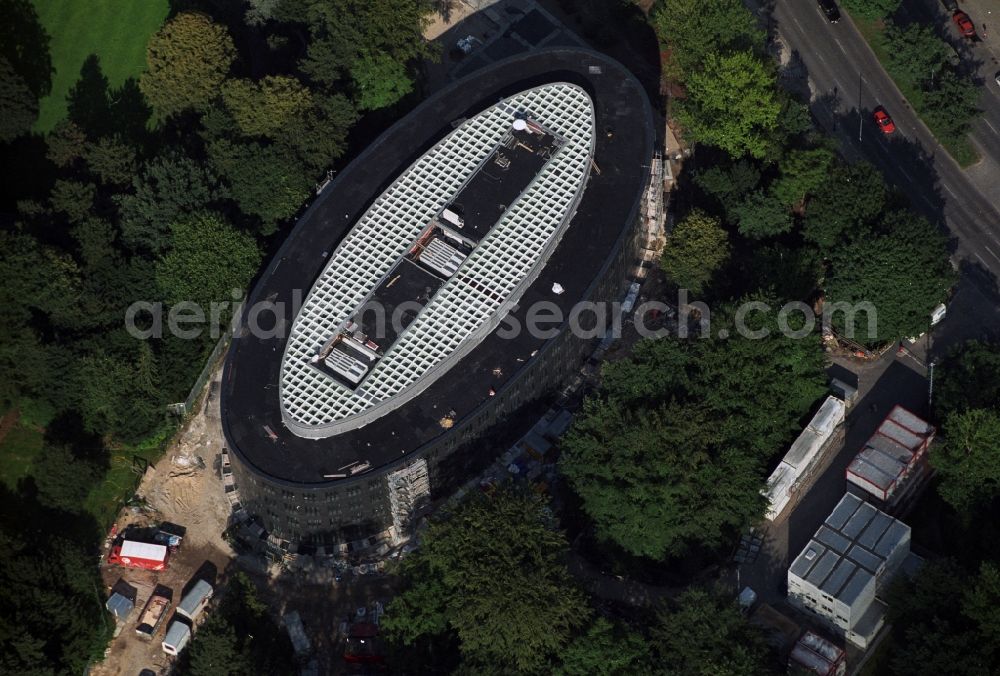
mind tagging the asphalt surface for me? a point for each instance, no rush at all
(847, 82)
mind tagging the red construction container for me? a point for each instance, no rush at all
(139, 555)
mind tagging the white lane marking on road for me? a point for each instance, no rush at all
(906, 174)
(991, 251)
(950, 191)
(981, 259)
(988, 124)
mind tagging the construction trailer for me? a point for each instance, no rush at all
(133, 554)
(178, 635)
(895, 453)
(194, 602)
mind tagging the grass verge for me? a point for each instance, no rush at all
(115, 30)
(106, 498)
(960, 149)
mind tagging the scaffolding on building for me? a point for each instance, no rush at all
(409, 490)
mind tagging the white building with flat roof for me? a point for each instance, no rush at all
(846, 564)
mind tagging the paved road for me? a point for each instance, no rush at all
(845, 78)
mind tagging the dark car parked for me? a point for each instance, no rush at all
(830, 9)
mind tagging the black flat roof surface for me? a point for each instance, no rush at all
(408, 283)
(492, 189)
(249, 396)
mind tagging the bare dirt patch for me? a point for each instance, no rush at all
(183, 488)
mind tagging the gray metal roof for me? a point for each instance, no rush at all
(850, 549)
(894, 447)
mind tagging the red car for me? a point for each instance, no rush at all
(883, 120)
(964, 23)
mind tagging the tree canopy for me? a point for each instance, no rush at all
(704, 632)
(968, 461)
(656, 482)
(606, 649)
(967, 377)
(492, 572)
(208, 259)
(697, 248)
(670, 455)
(945, 620)
(187, 61)
(692, 29)
(732, 103)
(18, 104)
(902, 270)
(239, 637)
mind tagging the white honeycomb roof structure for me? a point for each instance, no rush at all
(459, 315)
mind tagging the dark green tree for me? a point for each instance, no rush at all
(168, 188)
(802, 173)
(65, 143)
(65, 476)
(119, 393)
(968, 377)
(207, 260)
(659, 482)
(264, 181)
(703, 632)
(937, 621)
(240, 637)
(187, 61)
(968, 461)
(111, 160)
(606, 649)
(343, 31)
(493, 572)
(763, 215)
(916, 53)
(902, 271)
(855, 195)
(697, 248)
(730, 184)
(950, 105)
(18, 104)
(73, 199)
(24, 44)
(379, 81)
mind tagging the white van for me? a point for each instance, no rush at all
(178, 635)
(195, 600)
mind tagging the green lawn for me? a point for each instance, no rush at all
(115, 30)
(17, 451)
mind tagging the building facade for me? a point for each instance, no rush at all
(514, 188)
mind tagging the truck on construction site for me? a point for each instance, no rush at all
(133, 554)
(153, 612)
